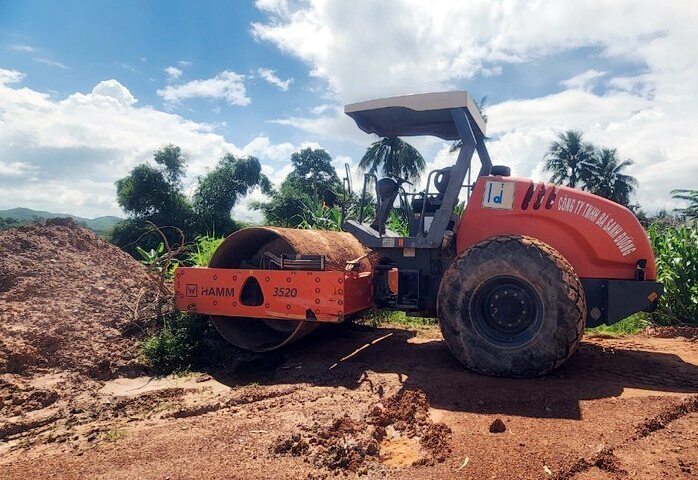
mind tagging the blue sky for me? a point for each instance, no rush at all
(90, 89)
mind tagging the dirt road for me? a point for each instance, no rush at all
(348, 403)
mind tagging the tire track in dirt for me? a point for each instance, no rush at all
(606, 460)
(76, 419)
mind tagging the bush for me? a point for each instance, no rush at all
(204, 247)
(183, 341)
(676, 252)
(172, 348)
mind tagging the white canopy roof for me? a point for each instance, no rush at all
(418, 114)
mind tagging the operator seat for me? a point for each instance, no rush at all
(433, 202)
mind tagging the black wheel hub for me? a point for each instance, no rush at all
(506, 311)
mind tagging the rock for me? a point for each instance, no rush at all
(497, 426)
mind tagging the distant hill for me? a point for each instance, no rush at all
(25, 215)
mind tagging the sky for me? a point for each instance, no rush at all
(90, 89)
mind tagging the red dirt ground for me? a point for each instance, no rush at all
(72, 405)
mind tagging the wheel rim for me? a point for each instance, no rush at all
(507, 311)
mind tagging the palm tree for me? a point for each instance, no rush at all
(606, 179)
(569, 159)
(690, 196)
(395, 157)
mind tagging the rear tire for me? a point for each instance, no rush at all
(511, 306)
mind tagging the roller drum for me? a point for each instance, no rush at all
(246, 248)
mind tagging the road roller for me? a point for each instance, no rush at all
(513, 280)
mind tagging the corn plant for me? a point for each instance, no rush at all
(676, 252)
(322, 217)
(201, 252)
(158, 260)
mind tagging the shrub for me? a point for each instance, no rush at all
(203, 249)
(676, 252)
(172, 348)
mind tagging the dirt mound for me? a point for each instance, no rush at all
(68, 300)
(685, 331)
(396, 432)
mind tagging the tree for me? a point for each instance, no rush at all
(154, 193)
(395, 157)
(287, 204)
(219, 191)
(313, 172)
(569, 159)
(691, 196)
(312, 182)
(606, 179)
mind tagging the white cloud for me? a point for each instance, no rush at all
(226, 85)
(10, 76)
(64, 155)
(14, 169)
(583, 81)
(269, 75)
(273, 6)
(22, 48)
(52, 63)
(113, 90)
(369, 49)
(173, 72)
(184, 63)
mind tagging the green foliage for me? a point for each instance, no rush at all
(676, 252)
(377, 318)
(395, 158)
(313, 173)
(287, 206)
(7, 223)
(153, 193)
(690, 196)
(158, 260)
(219, 191)
(606, 180)
(17, 217)
(114, 435)
(203, 249)
(459, 208)
(321, 217)
(569, 159)
(173, 347)
(582, 165)
(173, 161)
(628, 326)
(398, 222)
(312, 182)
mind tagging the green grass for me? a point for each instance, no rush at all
(629, 326)
(204, 247)
(173, 347)
(114, 435)
(390, 317)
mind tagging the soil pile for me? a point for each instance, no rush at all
(687, 332)
(70, 300)
(397, 432)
